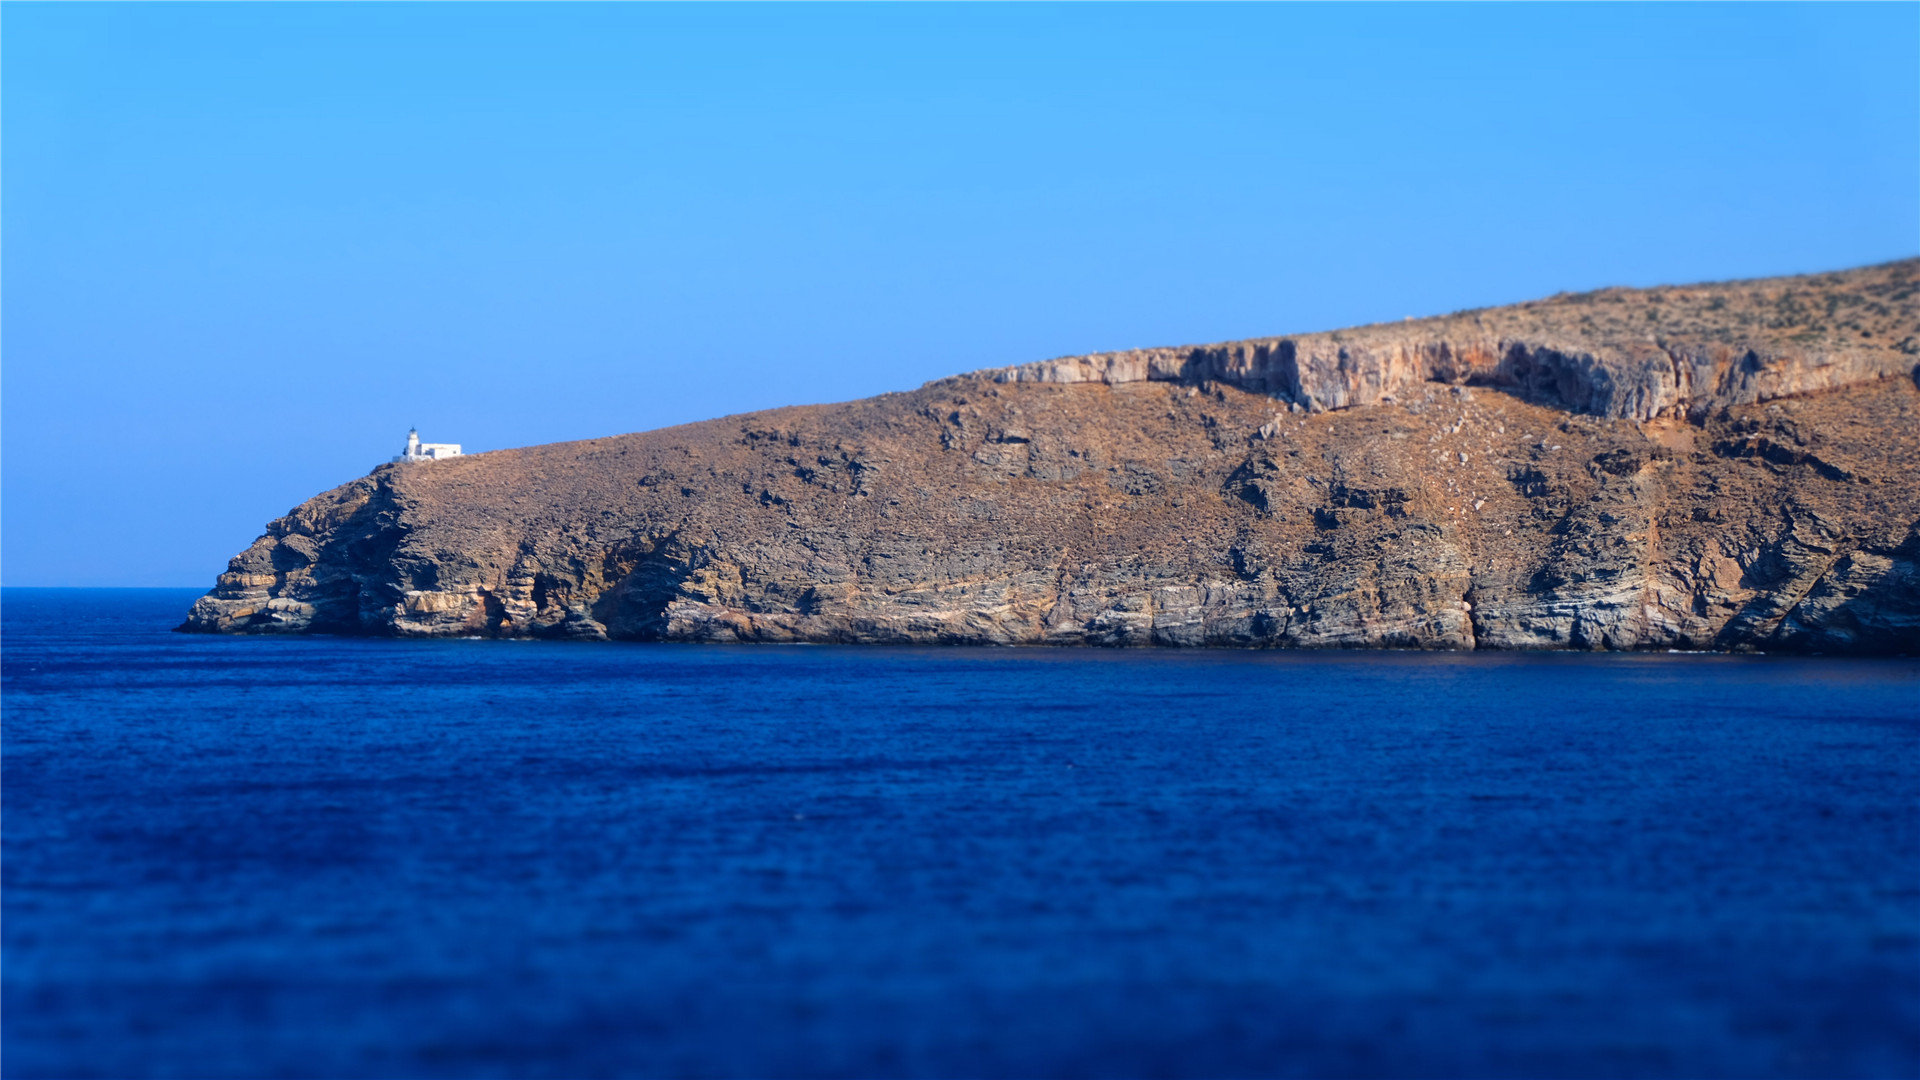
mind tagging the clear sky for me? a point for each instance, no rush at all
(246, 246)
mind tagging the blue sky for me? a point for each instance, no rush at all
(246, 246)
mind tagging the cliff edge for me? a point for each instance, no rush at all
(1726, 466)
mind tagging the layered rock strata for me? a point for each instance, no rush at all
(1715, 467)
(1637, 354)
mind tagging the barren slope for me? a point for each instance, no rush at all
(1727, 466)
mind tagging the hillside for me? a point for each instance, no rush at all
(1717, 466)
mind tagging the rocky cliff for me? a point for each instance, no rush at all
(1726, 466)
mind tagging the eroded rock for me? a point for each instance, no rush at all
(1758, 492)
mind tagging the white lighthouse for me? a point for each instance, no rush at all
(426, 451)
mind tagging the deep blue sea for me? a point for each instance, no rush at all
(259, 857)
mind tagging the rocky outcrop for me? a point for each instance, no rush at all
(1634, 354)
(1528, 477)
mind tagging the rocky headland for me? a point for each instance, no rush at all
(1728, 466)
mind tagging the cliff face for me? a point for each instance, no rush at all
(1629, 353)
(1727, 466)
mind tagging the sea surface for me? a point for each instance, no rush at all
(256, 857)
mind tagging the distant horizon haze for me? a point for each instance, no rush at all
(247, 247)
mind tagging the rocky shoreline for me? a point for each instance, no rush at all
(1727, 467)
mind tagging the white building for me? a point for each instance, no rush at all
(426, 451)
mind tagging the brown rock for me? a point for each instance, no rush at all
(1605, 471)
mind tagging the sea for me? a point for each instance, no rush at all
(333, 857)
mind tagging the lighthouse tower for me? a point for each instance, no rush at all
(425, 451)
